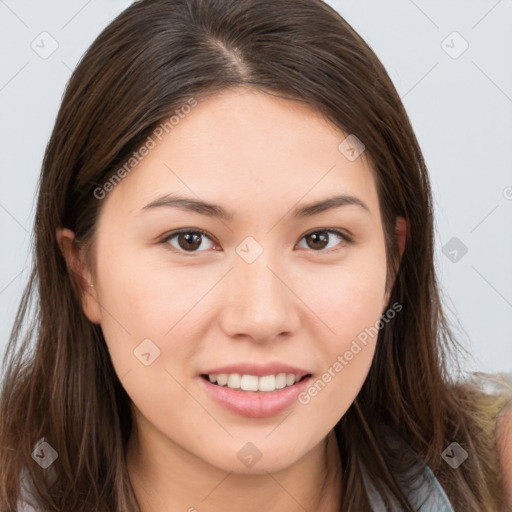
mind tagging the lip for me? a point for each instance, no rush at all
(255, 404)
(259, 370)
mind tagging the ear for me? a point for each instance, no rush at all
(401, 236)
(77, 267)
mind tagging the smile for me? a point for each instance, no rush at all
(253, 403)
(248, 382)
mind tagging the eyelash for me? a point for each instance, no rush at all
(169, 236)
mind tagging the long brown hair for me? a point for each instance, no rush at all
(60, 384)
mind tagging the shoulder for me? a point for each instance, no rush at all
(504, 446)
(500, 386)
(490, 398)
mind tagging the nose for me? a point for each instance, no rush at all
(261, 304)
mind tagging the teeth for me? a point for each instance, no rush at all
(281, 380)
(234, 381)
(267, 383)
(254, 383)
(222, 379)
(247, 382)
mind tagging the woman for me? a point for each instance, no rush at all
(237, 304)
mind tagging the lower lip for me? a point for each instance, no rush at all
(255, 404)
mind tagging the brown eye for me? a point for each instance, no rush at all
(317, 240)
(187, 241)
(320, 239)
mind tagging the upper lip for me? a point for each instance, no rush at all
(258, 370)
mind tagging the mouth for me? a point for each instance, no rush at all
(254, 383)
(254, 396)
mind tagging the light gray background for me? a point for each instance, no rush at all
(460, 105)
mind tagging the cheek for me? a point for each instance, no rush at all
(144, 297)
(348, 296)
(349, 301)
(142, 308)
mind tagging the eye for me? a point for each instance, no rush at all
(188, 240)
(319, 240)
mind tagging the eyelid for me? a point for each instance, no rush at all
(348, 239)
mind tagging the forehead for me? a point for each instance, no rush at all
(246, 149)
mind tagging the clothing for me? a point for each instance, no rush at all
(26, 495)
(428, 496)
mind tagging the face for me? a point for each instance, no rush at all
(264, 291)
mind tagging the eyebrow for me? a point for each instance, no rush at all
(217, 211)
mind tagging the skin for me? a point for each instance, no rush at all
(504, 445)
(259, 157)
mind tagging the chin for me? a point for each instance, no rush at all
(248, 460)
